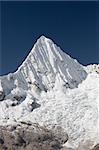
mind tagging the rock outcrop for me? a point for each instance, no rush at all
(27, 136)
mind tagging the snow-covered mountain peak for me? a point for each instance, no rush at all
(46, 62)
(52, 89)
(43, 38)
(42, 41)
(46, 67)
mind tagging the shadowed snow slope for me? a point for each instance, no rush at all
(53, 89)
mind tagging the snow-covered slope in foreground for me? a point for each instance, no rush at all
(53, 89)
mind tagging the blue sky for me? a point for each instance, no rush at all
(74, 26)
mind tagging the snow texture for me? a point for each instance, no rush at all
(53, 89)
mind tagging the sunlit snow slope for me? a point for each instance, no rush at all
(53, 89)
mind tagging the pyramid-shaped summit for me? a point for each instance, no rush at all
(47, 64)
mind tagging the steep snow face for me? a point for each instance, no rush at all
(45, 67)
(53, 89)
(46, 63)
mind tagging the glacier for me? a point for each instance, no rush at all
(53, 89)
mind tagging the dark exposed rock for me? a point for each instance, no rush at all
(60, 134)
(96, 147)
(26, 123)
(2, 95)
(1, 141)
(33, 106)
(28, 136)
(55, 144)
